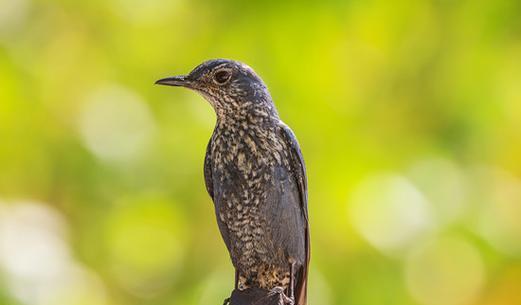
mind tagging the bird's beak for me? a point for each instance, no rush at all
(178, 81)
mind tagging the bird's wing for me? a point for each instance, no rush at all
(208, 180)
(299, 174)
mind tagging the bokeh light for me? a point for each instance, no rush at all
(444, 185)
(390, 212)
(446, 271)
(144, 244)
(116, 124)
(499, 209)
(12, 15)
(37, 262)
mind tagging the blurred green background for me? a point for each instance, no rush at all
(408, 114)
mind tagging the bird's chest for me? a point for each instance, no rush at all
(245, 157)
(243, 171)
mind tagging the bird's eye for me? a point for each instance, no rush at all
(222, 76)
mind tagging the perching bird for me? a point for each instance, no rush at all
(255, 174)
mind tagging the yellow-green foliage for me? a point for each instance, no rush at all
(408, 114)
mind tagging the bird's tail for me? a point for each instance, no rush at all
(301, 287)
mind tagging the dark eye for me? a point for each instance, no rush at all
(222, 76)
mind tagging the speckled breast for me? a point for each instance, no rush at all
(243, 174)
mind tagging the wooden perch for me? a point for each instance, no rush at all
(255, 296)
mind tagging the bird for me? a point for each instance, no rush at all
(255, 174)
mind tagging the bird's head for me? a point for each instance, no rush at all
(229, 86)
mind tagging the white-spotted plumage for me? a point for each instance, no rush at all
(255, 174)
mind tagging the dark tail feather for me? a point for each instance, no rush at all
(301, 287)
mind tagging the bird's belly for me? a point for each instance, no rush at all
(246, 227)
(259, 262)
(241, 211)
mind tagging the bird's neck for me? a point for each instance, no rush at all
(247, 115)
(252, 134)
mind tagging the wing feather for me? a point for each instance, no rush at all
(299, 173)
(208, 180)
